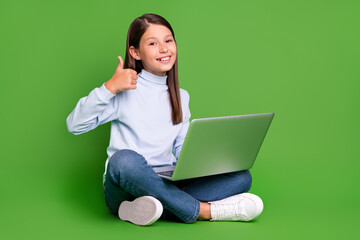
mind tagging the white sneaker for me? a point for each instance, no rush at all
(142, 211)
(240, 207)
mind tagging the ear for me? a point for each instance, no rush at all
(134, 53)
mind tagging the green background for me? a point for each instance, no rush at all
(299, 59)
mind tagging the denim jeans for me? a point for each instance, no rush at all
(128, 176)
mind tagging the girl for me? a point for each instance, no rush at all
(149, 117)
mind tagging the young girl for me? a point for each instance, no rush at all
(149, 117)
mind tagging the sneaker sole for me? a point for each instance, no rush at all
(142, 211)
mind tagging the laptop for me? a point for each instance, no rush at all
(219, 145)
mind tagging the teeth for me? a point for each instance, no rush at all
(164, 59)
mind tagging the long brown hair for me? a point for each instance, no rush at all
(136, 30)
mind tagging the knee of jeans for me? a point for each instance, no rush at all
(123, 162)
(248, 180)
(244, 180)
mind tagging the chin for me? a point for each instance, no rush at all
(165, 69)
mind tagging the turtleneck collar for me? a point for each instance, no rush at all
(152, 78)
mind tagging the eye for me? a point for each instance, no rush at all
(153, 43)
(170, 40)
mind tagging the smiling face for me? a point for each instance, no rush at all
(157, 50)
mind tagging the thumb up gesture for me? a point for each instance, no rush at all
(123, 79)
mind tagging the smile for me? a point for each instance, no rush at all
(164, 59)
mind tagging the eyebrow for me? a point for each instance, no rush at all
(156, 38)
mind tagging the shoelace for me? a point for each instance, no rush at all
(230, 209)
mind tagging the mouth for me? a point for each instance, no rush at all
(165, 59)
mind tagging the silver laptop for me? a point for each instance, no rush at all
(219, 145)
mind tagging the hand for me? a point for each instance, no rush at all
(123, 79)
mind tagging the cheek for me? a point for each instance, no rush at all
(148, 56)
(174, 50)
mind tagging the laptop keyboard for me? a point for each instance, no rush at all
(166, 173)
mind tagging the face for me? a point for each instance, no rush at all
(157, 50)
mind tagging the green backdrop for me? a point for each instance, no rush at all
(299, 59)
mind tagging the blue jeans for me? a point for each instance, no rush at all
(128, 176)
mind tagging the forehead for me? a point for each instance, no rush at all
(156, 31)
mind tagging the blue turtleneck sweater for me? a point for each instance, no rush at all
(140, 119)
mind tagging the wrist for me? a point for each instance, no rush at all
(110, 87)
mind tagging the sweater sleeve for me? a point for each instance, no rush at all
(97, 108)
(179, 140)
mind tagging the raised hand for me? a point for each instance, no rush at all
(123, 79)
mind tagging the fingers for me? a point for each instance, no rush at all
(132, 84)
(132, 71)
(124, 78)
(132, 87)
(121, 66)
(121, 63)
(133, 81)
(134, 76)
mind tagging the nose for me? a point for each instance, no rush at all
(163, 48)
